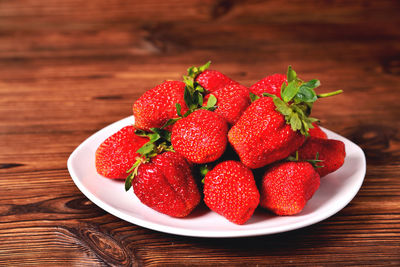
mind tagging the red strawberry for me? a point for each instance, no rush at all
(232, 101)
(212, 80)
(200, 137)
(317, 132)
(117, 153)
(270, 84)
(156, 106)
(166, 185)
(272, 128)
(230, 190)
(262, 136)
(287, 186)
(331, 152)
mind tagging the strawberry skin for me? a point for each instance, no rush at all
(157, 105)
(232, 101)
(166, 185)
(117, 153)
(200, 137)
(317, 132)
(212, 80)
(261, 136)
(270, 84)
(230, 190)
(331, 152)
(286, 187)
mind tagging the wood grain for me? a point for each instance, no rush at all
(69, 68)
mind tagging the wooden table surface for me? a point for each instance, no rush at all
(70, 67)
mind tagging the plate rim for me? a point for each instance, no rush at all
(204, 233)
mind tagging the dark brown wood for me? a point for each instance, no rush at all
(69, 68)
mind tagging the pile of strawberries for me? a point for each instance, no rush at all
(236, 148)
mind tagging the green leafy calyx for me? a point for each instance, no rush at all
(193, 95)
(159, 142)
(314, 162)
(203, 169)
(253, 97)
(194, 92)
(296, 102)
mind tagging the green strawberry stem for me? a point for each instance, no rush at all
(330, 94)
(314, 162)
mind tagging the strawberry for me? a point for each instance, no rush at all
(157, 105)
(212, 80)
(230, 190)
(261, 136)
(271, 128)
(166, 185)
(317, 132)
(331, 152)
(232, 99)
(200, 137)
(287, 186)
(118, 153)
(270, 84)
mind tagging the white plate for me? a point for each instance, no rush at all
(335, 192)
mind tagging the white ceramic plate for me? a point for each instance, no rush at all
(335, 192)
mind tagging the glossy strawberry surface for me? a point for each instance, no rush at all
(166, 185)
(232, 101)
(230, 190)
(157, 105)
(270, 84)
(212, 80)
(261, 136)
(331, 152)
(200, 137)
(117, 153)
(286, 187)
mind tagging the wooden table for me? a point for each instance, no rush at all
(69, 68)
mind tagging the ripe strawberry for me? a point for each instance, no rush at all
(117, 153)
(157, 105)
(287, 186)
(331, 152)
(272, 128)
(166, 185)
(317, 132)
(262, 136)
(270, 84)
(230, 190)
(232, 101)
(212, 80)
(200, 137)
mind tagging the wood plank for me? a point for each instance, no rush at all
(70, 68)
